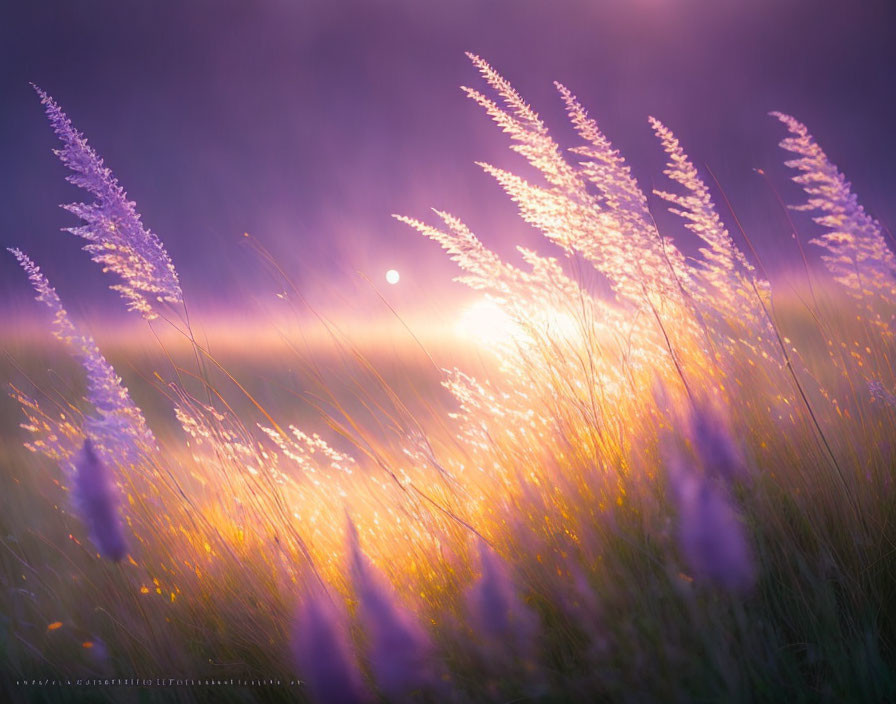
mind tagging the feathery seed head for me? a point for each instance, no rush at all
(118, 429)
(116, 237)
(856, 252)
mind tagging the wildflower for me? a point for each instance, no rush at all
(99, 653)
(711, 535)
(496, 609)
(400, 650)
(96, 498)
(323, 654)
(718, 452)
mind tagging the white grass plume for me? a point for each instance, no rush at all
(856, 252)
(118, 430)
(116, 237)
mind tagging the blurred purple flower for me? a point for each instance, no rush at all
(99, 653)
(400, 650)
(96, 498)
(711, 535)
(116, 237)
(498, 613)
(712, 440)
(881, 394)
(323, 653)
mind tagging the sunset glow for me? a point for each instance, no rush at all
(484, 322)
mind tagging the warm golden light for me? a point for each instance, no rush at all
(485, 322)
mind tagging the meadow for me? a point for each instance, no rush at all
(663, 477)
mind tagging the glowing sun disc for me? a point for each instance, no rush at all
(392, 276)
(485, 322)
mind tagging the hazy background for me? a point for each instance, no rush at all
(307, 123)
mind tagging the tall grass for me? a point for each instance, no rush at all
(681, 490)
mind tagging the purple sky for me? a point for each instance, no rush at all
(307, 123)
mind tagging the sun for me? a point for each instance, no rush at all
(485, 322)
(392, 276)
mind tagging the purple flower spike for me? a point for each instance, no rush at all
(97, 500)
(323, 654)
(496, 609)
(711, 535)
(400, 650)
(711, 438)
